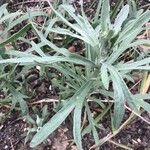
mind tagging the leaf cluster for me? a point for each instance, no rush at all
(97, 72)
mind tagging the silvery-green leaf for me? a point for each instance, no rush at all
(104, 76)
(61, 115)
(121, 17)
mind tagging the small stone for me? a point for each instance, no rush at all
(139, 140)
(6, 146)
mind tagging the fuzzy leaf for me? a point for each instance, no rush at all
(60, 116)
(122, 16)
(77, 115)
(104, 76)
(119, 98)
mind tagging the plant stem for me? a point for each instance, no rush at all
(111, 135)
(114, 12)
(120, 145)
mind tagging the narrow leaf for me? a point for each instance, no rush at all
(77, 115)
(16, 35)
(119, 108)
(122, 16)
(53, 124)
(60, 116)
(105, 15)
(104, 76)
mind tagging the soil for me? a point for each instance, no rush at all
(13, 128)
